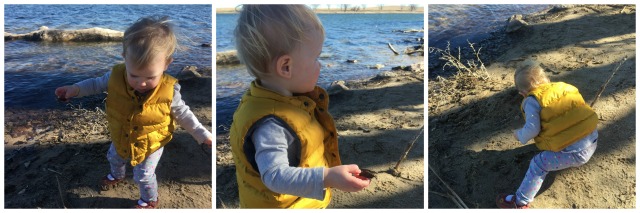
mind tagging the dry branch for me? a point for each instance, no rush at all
(459, 200)
(392, 49)
(395, 170)
(607, 82)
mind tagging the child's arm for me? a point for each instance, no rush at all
(531, 126)
(276, 147)
(86, 87)
(181, 112)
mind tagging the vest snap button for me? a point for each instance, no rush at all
(306, 104)
(321, 96)
(321, 110)
(135, 128)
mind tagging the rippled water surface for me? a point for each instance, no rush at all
(34, 69)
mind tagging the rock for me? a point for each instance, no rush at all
(227, 58)
(206, 45)
(559, 8)
(337, 87)
(353, 61)
(515, 22)
(385, 75)
(377, 66)
(189, 72)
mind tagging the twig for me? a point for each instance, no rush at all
(607, 82)
(395, 170)
(222, 203)
(392, 49)
(448, 196)
(54, 171)
(60, 192)
(449, 188)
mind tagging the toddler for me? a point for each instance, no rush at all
(284, 141)
(561, 124)
(141, 106)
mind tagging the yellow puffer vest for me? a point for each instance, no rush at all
(307, 117)
(139, 127)
(564, 118)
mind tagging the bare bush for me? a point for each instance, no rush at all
(472, 67)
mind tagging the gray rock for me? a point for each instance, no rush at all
(377, 66)
(189, 72)
(353, 61)
(337, 87)
(515, 22)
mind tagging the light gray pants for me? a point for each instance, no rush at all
(144, 174)
(545, 162)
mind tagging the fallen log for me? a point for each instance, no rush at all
(227, 58)
(95, 34)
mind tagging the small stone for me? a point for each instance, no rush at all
(377, 66)
(206, 45)
(353, 61)
(337, 87)
(515, 22)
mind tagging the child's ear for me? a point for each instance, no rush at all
(283, 66)
(168, 62)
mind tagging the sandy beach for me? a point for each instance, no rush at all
(55, 158)
(376, 119)
(471, 119)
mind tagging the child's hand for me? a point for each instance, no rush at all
(342, 177)
(66, 92)
(208, 142)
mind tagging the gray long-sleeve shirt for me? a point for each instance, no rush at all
(275, 148)
(179, 110)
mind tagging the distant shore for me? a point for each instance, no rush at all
(369, 10)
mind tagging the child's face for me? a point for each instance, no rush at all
(305, 65)
(143, 79)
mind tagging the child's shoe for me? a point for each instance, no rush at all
(106, 183)
(502, 202)
(146, 205)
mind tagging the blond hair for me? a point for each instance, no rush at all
(529, 76)
(148, 37)
(266, 32)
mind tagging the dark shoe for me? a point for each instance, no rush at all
(106, 184)
(150, 204)
(502, 203)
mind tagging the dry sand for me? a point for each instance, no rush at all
(54, 155)
(376, 119)
(471, 121)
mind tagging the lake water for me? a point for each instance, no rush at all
(459, 23)
(363, 37)
(34, 69)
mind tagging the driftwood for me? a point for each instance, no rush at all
(393, 49)
(227, 58)
(95, 34)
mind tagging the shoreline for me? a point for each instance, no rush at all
(394, 10)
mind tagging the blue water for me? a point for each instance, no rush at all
(348, 36)
(459, 23)
(34, 69)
